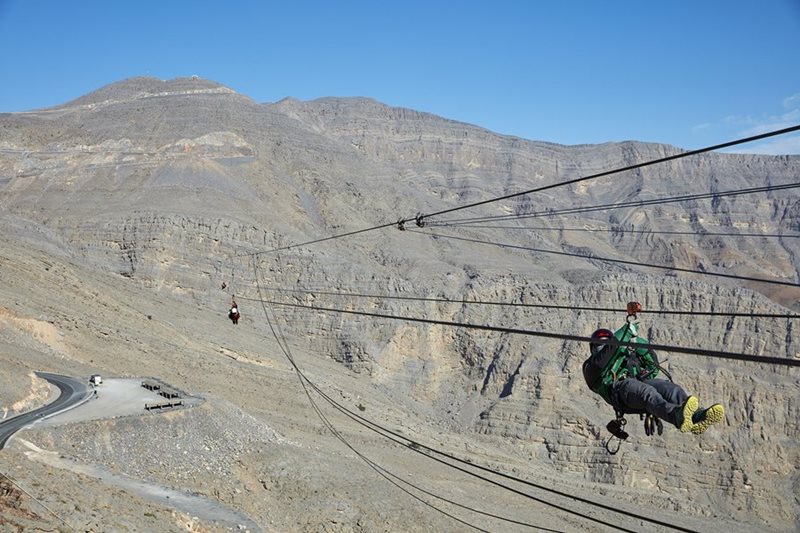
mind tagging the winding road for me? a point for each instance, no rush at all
(73, 391)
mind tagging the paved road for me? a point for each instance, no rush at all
(73, 391)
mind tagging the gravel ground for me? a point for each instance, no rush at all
(124, 399)
(191, 450)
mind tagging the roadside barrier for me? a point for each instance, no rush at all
(163, 405)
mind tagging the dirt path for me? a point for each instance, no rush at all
(195, 506)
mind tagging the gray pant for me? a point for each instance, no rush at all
(658, 397)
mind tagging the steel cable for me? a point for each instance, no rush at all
(421, 218)
(778, 361)
(731, 314)
(610, 260)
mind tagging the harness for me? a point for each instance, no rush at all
(629, 362)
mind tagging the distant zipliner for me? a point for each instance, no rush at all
(233, 312)
(624, 377)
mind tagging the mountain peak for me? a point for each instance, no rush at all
(145, 86)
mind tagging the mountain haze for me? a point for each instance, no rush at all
(125, 212)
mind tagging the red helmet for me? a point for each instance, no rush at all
(600, 334)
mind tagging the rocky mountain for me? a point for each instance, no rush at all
(126, 212)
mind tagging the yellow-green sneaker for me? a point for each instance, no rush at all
(705, 418)
(687, 411)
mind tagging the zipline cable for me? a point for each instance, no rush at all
(618, 205)
(330, 427)
(527, 305)
(418, 447)
(615, 171)
(390, 477)
(315, 241)
(303, 377)
(284, 345)
(32, 497)
(778, 361)
(478, 223)
(420, 219)
(411, 445)
(618, 230)
(610, 260)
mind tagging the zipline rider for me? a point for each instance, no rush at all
(625, 377)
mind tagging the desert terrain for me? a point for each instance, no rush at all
(130, 217)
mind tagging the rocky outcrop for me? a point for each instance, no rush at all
(188, 193)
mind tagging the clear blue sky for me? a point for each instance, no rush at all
(685, 72)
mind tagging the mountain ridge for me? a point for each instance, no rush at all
(128, 227)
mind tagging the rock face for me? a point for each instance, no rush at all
(124, 213)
